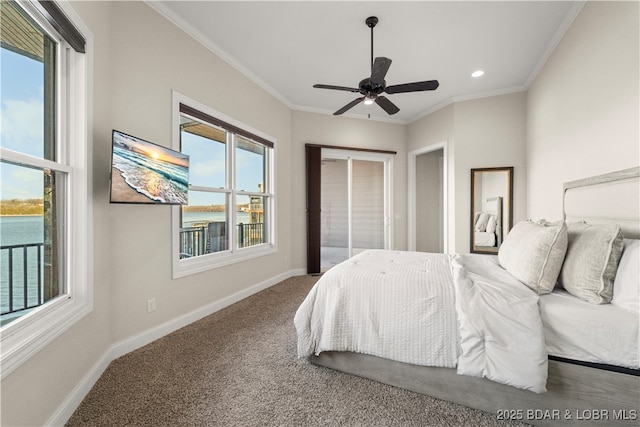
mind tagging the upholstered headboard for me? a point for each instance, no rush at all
(609, 198)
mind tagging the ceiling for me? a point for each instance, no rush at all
(288, 46)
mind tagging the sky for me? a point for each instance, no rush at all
(21, 95)
(207, 169)
(22, 99)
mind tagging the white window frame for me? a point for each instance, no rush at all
(188, 266)
(27, 335)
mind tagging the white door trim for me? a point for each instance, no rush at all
(411, 197)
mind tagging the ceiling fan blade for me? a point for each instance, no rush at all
(349, 106)
(348, 89)
(413, 87)
(387, 105)
(379, 70)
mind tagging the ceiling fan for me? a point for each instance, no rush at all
(372, 87)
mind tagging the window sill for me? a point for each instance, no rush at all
(189, 266)
(37, 329)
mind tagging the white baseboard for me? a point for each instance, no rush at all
(128, 345)
(73, 400)
(71, 403)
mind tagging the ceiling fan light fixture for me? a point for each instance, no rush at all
(368, 100)
(477, 73)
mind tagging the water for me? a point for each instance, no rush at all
(16, 230)
(21, 229)
(160, 180)
(191, 218)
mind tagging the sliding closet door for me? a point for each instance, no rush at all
(334, 215)
(354, 204)
(367, 205)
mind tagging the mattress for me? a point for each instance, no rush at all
(578, 330)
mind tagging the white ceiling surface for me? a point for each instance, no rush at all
(288, 46)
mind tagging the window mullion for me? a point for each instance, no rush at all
(231, 184)
(27, 160)
(209, 189)
(251, 193)
(53, 87)
(64, 107)
(268, 176)
(269, 204)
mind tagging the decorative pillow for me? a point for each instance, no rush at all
(481, 223)
(626, 286)
(533, 253)
(491, 224)
(591, 262)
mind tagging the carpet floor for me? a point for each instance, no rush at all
(238, 367)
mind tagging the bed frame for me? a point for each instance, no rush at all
(577, 394)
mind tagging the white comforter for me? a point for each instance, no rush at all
(459, 311)
(501, 332)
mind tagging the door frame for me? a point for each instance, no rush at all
(411, 193)
(313, 157)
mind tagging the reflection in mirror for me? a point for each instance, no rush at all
(491, 208)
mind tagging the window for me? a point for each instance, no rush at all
(44, 226)
(230, 213)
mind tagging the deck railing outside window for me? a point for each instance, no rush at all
(195, 241)
(22, 285)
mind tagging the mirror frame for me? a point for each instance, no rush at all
(507, 208)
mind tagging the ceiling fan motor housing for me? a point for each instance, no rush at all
(370, 89)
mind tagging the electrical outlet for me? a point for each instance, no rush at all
(151, 305)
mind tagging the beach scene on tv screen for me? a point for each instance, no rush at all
(143, 172)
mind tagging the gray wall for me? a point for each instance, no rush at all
(583, 110)
(429, 201)
(481, 133)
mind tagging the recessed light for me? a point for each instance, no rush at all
(477, 73)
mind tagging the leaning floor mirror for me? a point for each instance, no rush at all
(491, 208)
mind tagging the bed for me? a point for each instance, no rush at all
(580, 359)
(488, 224)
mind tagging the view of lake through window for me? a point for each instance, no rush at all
(28, 191)
(230, 199)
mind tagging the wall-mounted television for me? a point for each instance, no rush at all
(144, 172)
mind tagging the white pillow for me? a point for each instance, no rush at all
(626, 286)
(481, 224)
(591, 262)
(533, 253)
(491, 224)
